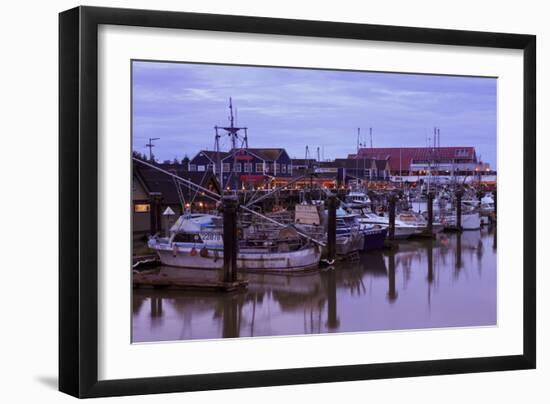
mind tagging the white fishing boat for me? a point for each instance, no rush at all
(402, 230)
(487, 205)
(420, 221)
(196, 241)
(357, 200)
(468, 221)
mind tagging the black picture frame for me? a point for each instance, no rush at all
(78, 196)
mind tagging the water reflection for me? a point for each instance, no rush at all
(450, 281)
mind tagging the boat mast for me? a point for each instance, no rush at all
(233, 133)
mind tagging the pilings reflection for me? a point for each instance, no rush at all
(392, 291)
(332, 314)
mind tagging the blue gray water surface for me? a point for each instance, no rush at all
(448, 282)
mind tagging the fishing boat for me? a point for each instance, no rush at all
(420, 221)
(402, 230)
(487, 204)
(357, 200)
(368, 236)
(468, 221)
(196, 241)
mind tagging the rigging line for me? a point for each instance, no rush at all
(210, 194)
(197, 191)
(252, 202)
(282, 225)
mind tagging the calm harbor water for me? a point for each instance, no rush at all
(448, 282)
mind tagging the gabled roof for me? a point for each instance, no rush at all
(157, 181)
(267, 154)
(212, 155)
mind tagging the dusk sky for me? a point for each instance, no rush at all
(181, 103)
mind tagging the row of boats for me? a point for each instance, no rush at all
(196, 239)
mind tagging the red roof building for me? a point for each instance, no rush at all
(413, 158)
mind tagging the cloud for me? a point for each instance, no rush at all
(293, 108)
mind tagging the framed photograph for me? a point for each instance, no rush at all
(251, 201)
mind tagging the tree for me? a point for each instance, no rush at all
(185, 162)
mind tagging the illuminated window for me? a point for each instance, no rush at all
(142, 207)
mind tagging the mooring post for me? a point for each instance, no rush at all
(391, 207)
(332, 204)
(230, 241)
(458, 195)
(154, 212)
(430, 213)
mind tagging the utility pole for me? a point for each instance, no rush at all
(150, 145)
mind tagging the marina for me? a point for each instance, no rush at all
(240, 240)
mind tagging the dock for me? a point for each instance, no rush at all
(178, 279)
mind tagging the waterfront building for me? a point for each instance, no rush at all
(409, 161)
(154, 191)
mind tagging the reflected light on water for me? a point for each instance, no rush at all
(448, 282)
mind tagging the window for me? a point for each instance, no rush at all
(201, 168)
(259, 167)
(187, 238)
(192, 167)
(283, 168)
(238, 167)
(269, 167)
(226, 167)
(248, 167)
(142, 207)
(277, 168)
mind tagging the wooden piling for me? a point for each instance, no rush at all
(430, 213)
(154, 212)
(458, 195)
(331, 204)
(391, 207)
(230, 239)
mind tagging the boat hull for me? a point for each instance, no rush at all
(470, 221)
(247, 260)
(374, 239)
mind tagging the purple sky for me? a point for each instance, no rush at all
(291, 108)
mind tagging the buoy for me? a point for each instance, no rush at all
(193, 252)
(204, 252)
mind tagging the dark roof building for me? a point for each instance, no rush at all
(153, 191)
